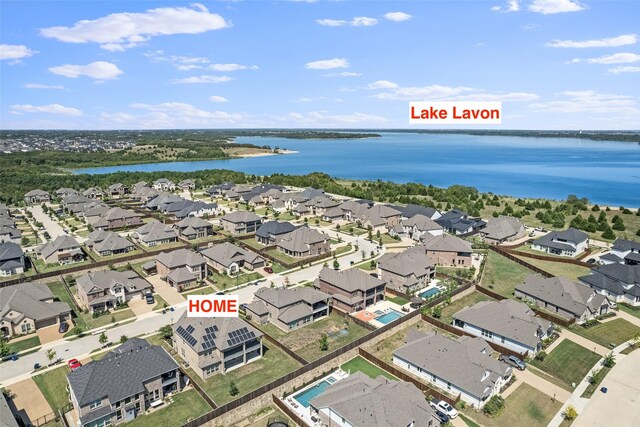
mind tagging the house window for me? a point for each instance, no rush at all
(433, 378)
(487, 334)
(211, 369)
(26, 327)
(118, 403)
(119, 415)
(448, 386)
(95, 404)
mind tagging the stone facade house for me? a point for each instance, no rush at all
(227, 258)
(407, 271)
(181, 268)
(303, 241)
(105, 289)
(192, 228)
(62, 250)
(270, 231)
(117, 218)
(36, 196)
(352, 289)
(240, 222)
(106, 243)
(447, 250)
(155, 233)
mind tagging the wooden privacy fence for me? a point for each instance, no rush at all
(287, 411)
(519, 261)
(353, 319)
(199, 389)
(548, 258)
(278, 344)
(428, 391)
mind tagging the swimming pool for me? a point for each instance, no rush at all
(304, 397)
(389, 316)
(429, 293)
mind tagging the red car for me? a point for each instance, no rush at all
(268, 270)
(74, 364)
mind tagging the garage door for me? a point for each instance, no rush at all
(46, 322)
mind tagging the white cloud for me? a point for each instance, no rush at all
(216, 98)
(589, 101)
(529, 27)
(397, 16)
(344, 74)
(512, 6)
(548, 7)
(231, 67)
(328, 64)
(50, 109)
(202, 79)
(358, 21)
(324, 119)
(43, 86)
(182, 63)
(624, 69)
(119, 31)
(14, 52)
(623, 40)
(616, 58)
(382, 84)
(99, 70)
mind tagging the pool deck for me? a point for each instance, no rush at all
(299, 409)
(370, 314)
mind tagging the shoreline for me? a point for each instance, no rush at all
(242, 156)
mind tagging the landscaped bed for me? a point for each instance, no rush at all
(568, 362)
(613, 332)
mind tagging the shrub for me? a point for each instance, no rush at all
(570, 413)
(494, 406)
(541, 356)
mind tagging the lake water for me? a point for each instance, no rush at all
(605, 172)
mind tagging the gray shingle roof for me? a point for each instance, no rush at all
(112, 242)
(411, 261)
(28, 299)
(9, 251)
(241, 216)
(422, 223)
(274, 228)
(220, 329)
(59, 243)
(445, 243)
(350, 280)
(282, 297)
(616, 278)
(299, 239)
(502, 227)
(571, 235)
(97, 281)
(227, 253)
(181, 275)
(179, 258)
(155, 231)
(626, 245)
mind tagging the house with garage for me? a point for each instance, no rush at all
(458, 222)
(192, 228)
(571, 242)
(302, 242)
(164, 184)
(241, 222)
(10, 234)
(508, 323)
(407, 271)
(288, 309)
(64, 192)
(227, 258)
(189, 208)
(379, 217)
(155, 233)
(503, 229)
(216, 345)
(219, 190)
(623, 252)
(462, 366)
(62, 250)
(36, 196)
(11, 259)
(353, 209)
(181, 268)
(619, 282)
(94, 193)
(447, 250)
(321, 204)
(118, 218)
(162, 201)
(411, 210)
(103, 290)
(270, 231)
(187, 184)
(352, 290)
(117, 190)
(27, 307)
(420, 225)
(359, 400)
(564, 297)
(106, 243)
(123, 384)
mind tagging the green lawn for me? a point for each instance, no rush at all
(106, 319)
(274, 364)
(501, 275)
(282, 257)
(466, 301)
(253, 243)
(223, 281)
(60, 293)
(526, 406)
(186, 406)
(398, 300)
(24, 344)
(44, 268)
(629, 310)
(160, 302)
(468, 421)
(384, 349)
(359, 364)
(571, 271)
(53, 385)
(115, 257)
(569, 362)
(614, 332)
(205, 290)
(277, 267)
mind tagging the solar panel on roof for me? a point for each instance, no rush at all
(190, 328)
(228, 342)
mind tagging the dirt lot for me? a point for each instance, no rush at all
(29, 402)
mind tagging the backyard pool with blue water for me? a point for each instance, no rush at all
(429, 293)
(388, 317)
(304, 397)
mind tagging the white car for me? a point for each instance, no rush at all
(444, 407)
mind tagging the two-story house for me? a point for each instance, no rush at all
(193, 227)
(106, 243)
(570, 242)
(105, 289)
(240, 222)
(181, 268)
(116, 218)
(447, 250)
(62, 250)
(11, 259)
(407, 271)
(228, 258)
(155, 233)
(352, 289)
(619, 282)
(270, 231)
(623, 252)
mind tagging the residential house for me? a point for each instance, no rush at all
(503, 229)
(94, 193)
(163, 184)
(93, 212)
(144, 193)
(292, 200)
(64, 192)
(220, 189)
(10, 234)
(563, 297)
(420, 225)
(619, 282)
(106, 243)
(289, 309)
(508, 323)
(302, 242)
(118, 189)
(237, 191)
(181, 268)
(411, 210)
(105, 289)
(193, 227)
(227, 258)
(270, 231)
(352, 289)
(11, 259)
(189, 209)
(462, 366)
(155, 233)
(623, 252)
(162, 201)
(240, 222)
(353, 209)
(117, 218)
(187, 184)
(359, 400)
(447, 250)
(7, 418)
(70, 201)
(333, 214)
(459, 223)
(36, 196)
(216, 345)
(570, 242)
(62, 250)
(28, 307)
(407, 271)
(123, 384)
(380, 217)
(320, 204)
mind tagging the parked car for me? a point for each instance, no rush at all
(268, 270)
(220, 293)
(243, 306)
(444, 418)
(539, 229)
(150, 299)
(513, 361)
(63, 328)
(591, 261)
(74, 364)
(441, 405)
(374, 275)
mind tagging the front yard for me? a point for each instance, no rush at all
(16, 346)
(615, 332)
(568, 362)
(360, 364)
(501, 275)
(185, 406)
(53, 385)
(223, 281)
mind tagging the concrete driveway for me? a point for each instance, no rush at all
(139, 306)
(53, 228)
(620, 405)
(162, 288)
(29, 402)
(50, 333)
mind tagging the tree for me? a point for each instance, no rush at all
(123, 339)
(570, 413)
(51, 354)
(103, 339)
(608, 234)
(233, 389)
(336, 264)
(78, 330)
(166, 332)
(324, 342)
(609, 360)
(5, 350)
(372, 264)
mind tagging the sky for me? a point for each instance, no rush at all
(554, 64)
